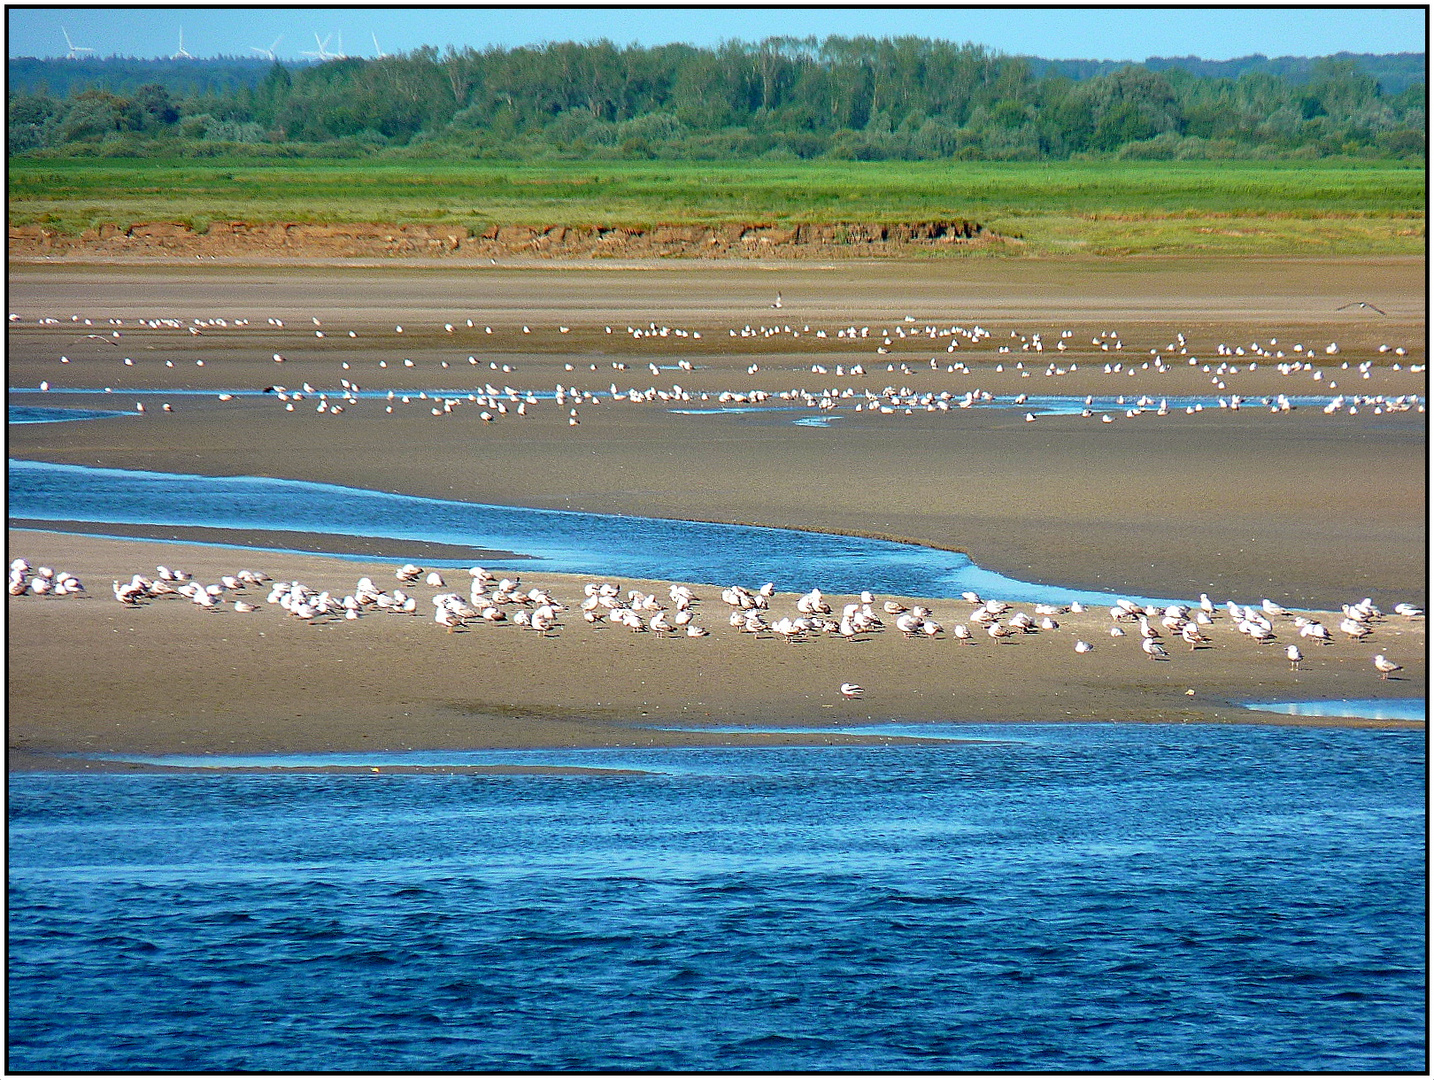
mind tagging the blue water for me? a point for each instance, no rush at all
(35, 414)
(1039, 404)
(1069, 405)
(553, 540)
(1057, 898)
(1359, 708)
(640, 761)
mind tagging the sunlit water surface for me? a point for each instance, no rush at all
(553, 540)
(1048, 898)
(40, 414)
(1358, 708)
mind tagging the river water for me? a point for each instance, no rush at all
(554, 540)
(1032, 897)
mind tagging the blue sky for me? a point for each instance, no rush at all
(1114, 33)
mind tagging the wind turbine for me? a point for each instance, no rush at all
(323, 51)
(75, 50)
(269, 52)
(181, 54)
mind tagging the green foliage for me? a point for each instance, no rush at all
(1080, 206)
(861, 99)
(33, 121)
(92, 116)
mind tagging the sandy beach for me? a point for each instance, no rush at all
(1308, 508)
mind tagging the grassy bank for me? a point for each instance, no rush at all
(1095, 207)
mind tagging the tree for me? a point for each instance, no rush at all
(32, 122)
(92, 115)
(1130, 105)
(903, 97)
(151, 108)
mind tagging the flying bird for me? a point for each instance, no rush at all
(1361, 304)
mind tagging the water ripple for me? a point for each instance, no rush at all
(555, 540)
(1112, 897)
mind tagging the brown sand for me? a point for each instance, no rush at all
(1308, 509)
(455, 243)
(91, 675)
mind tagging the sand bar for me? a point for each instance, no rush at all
(91, 675)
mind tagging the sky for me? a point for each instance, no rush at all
(1111, 33)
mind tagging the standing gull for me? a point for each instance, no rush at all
(1386, 667)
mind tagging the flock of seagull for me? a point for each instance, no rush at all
(492, 600)
(43, 581)
(499, 403)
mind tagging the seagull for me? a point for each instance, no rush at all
(1154, 650)
(1354, 629)
(852, 690)
(778, 303)
(448, 618)
(1386, 667)
(1295, 656)
(1360, 304)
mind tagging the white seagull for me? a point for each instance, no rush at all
(1386, 667)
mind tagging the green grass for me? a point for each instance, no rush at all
(1096, 207)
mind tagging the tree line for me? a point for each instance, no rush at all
(783, 98)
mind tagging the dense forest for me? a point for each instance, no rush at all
(839, 98)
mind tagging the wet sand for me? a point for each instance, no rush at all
(373, 547)
(93, 676)
(1308, 509)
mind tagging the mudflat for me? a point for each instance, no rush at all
(1308, 507)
